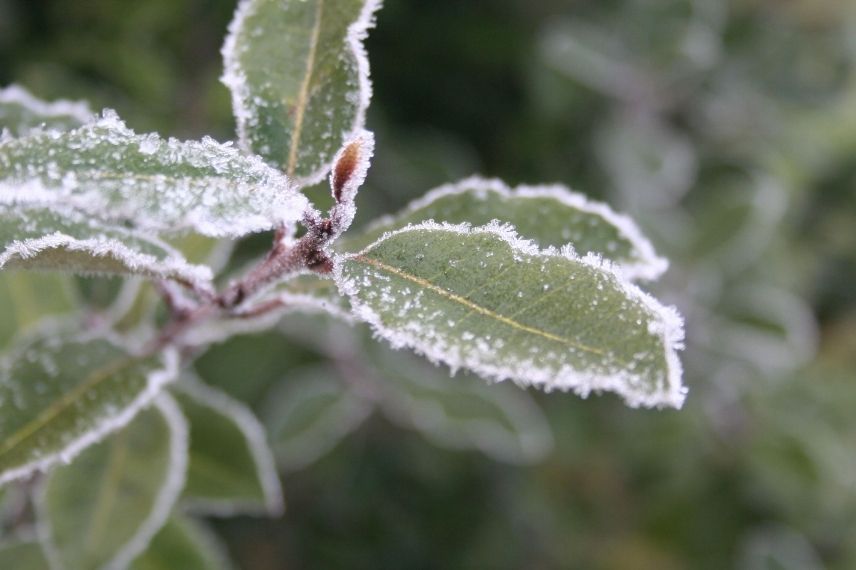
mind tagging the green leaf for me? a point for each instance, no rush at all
(308, 413)
(106, 170)
(102, 510)
(549, 215)
(484, 300)
(47, 237)
(231, 468)
(27, 297)
(23, 555)
(183, 544)
(500, 420)
(63, 389)
(299, 78)
(21, 113)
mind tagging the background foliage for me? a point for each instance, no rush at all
(728, 129)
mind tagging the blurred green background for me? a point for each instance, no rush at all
(727, 129)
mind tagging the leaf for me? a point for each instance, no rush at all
(38, 236)
(27, 297)
(106, 170)
(299, 78)
(21, 113)
(549, 215)
(499, 420)
(102, 510)
(23, 554)
(231, 468)
(485, 300)
(63, 389)
(308, 413)
(183, 544)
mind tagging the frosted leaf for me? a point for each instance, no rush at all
(299, 78)
(63, 389)
(103, 509)
(485, 300)
(550, 215)
(23, 553)
(168, 186)
(308, 413)
(39, 236)
(21, 112)
(26, 297)
(500, 420)
(184, 543)
(231, 468)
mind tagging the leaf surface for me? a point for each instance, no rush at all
(22, 555)
(63, 389)
(106, 170)
(21, 112)
(28, 296)
(308, 413)
(485, 300)
(183, 544)
(102, 510)
(231, 468)
(47, 237)
(299, 78)
(549, 215)
(499, 420)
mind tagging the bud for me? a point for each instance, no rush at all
(350, 167)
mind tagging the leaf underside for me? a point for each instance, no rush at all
(43, 237)
(299, 79)
(231, 469)
(62, 390)
(484, 300)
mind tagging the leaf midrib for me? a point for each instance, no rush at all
(475, 307)
(303, 93)
(61, 405)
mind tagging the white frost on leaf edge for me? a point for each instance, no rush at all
(235, 81)
(531, 429)
(256, 440)
(78, 110)
(305, 450)
(169, 492)
(670, 327)
(649, 267)
(156, 380)
(275, 193)
(174, 266)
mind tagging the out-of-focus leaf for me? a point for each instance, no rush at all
(23, 555)
(308, 413)
(102, 510)
(20, 112)
(39, 236)
(484, 300)
(548, 215)
(463, 412)
(106, 170)
(231, 468)
(299, 78)
(61, 390)
(183, 544)
(26, 297)
(778, 548)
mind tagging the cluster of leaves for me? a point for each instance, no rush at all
(530, 284)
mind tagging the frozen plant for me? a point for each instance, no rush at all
(533, 284)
